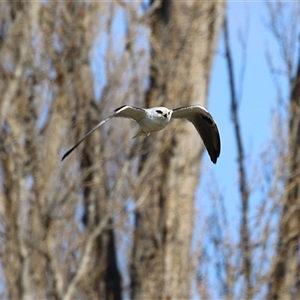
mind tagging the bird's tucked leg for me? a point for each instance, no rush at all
(140, 133)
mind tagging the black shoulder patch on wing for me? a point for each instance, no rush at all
(207, 119)
(119, 108)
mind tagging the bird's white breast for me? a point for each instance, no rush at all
(153, 123)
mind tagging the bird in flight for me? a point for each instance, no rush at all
(157, 118)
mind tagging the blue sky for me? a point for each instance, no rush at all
(258, 98)
(257, 90)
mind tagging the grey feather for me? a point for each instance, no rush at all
(205, 125)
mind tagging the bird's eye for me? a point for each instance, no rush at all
(159, 112)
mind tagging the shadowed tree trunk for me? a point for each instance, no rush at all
(285, 271)
(183, 38)
(284, 281)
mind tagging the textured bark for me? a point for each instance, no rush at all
(48, 101)
(183, 39)
(284, 281)
(44, 71)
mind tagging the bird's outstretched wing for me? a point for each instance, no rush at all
(204, 124)
(125, 111)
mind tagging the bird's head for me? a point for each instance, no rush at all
(163, 112)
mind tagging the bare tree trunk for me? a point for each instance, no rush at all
(284, 282)
(48, 102)
(44, 66)
(183, 39)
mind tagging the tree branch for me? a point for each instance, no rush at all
(243, 188)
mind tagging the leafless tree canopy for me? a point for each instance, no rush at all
(115, 219)
(260, 260)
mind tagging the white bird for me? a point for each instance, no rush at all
(157, 118)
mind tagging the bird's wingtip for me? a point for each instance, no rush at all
(214, 159)
(65, 155)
